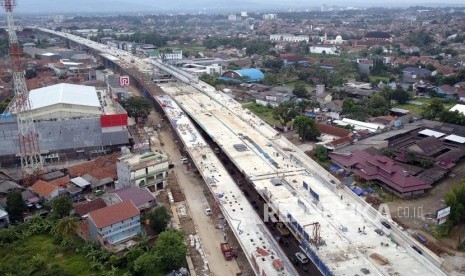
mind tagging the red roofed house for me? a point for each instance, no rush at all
(337, 136)
(45, 190)
(114, 224)
(383, 169)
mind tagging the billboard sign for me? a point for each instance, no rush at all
(443, 213)
(124, 81)
(314, 195)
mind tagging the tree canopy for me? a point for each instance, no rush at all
(353, 110)
(300, 90)
(170, 249)
(168, 254)
(159, 219)
(456, 200)
(61, 206)
(66, 226)
(307, 128)
(137, 106)
(377, 105)
(284, 113)
(15, 206)
(400, 96)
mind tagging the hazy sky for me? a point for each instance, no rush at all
(197, 5)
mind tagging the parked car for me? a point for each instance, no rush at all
(208, 212)
(294, 260)
(301, 257)
(379, 231)
(386, 224)
(417, 249)
(37, 205)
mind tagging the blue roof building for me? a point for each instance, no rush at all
(243, 75)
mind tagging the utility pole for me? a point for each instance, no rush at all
(29, 153)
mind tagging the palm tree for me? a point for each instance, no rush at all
(66, 226)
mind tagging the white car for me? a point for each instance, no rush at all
(301, 257)
(208, 212)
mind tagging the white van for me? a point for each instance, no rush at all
(184, 160)
(301, 257)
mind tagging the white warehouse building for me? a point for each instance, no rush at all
(175, 54)
(289, 38)
(63, 101)
(324, 50)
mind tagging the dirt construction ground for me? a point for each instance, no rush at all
(192, 186)
(414, 214)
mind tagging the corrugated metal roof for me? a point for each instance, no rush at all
(64, 93)
(429, 132)
(252, 73)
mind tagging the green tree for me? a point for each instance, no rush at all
(284, 113)
(353, 110)
(400, 95)
(137, 107)
(456, 200)
(270, 79)
(306, 128)
(377, 105)
(300, 90)
(433, 110)
(146, 263)
(321, 153)
(170, 250)
(66, 226)
(159, 219)
(15, 206)
(61, 207)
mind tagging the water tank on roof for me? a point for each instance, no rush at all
(320, 89)
(124, 151)
(397, 123)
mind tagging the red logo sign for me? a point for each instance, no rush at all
(124, 81)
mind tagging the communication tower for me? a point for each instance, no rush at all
(29, 153)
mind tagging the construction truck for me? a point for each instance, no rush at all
(282, 229)
(227, 251)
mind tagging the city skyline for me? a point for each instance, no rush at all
(53, 6)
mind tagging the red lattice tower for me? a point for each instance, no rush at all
(31, 162)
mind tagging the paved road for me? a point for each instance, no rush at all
(192, 186)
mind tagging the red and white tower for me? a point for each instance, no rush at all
(31, 162)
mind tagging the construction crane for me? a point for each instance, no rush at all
(316, 237)
(29, 153)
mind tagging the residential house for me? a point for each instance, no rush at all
(334, 137)
(141, 197)
(446, 91)
(377, 36)
(142, 170)
(100, 172)
(82, 209)
(114, 224)
(45, 190)
(410, 73)
(7, 185)
(461, 94)
(384, 120)
(383, 169)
